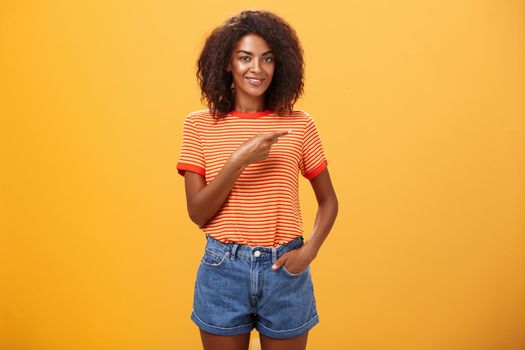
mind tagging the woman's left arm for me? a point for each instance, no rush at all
(326, 212)
(324, 220)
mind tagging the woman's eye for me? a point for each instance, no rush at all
(246, 58)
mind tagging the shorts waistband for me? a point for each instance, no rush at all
(258, 252)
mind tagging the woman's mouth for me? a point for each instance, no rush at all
(255, 82)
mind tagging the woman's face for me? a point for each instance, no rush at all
(252, 64)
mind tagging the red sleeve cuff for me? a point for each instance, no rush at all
(317, 170)
(182, 167)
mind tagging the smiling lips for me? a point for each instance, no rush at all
(254, 81)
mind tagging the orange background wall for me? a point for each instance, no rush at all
(420, 105)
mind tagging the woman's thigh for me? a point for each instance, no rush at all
(222, 342)
(297, 343)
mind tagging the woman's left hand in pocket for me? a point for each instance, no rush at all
(296, 260)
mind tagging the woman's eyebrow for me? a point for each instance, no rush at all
(249, 53)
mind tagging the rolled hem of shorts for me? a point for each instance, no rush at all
(288, 333)
(220, 330)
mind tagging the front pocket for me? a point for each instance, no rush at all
(294, 274)
(214, 258)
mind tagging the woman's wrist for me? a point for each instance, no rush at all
(310, 250)
(237, 162)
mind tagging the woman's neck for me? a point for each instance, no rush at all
(251, 105)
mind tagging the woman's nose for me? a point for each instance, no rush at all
(255, 66)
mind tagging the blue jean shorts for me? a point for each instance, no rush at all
(237, 290)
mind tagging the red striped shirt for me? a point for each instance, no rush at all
(262, 208)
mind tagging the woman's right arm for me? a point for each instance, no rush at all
(203, 201)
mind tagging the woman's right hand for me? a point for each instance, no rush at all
(257, 148)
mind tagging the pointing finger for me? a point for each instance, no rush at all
(278, 133)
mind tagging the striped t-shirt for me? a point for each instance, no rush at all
(262, 208)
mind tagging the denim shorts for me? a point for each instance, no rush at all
(237, 290)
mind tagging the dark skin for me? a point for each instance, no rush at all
(204, 200)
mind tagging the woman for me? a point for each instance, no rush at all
(241, 158)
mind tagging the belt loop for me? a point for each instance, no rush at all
(234, 250)
(274, 255)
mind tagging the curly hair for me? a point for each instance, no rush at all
(287, 82)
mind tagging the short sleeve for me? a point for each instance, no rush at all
(313, 160)
(191, 154)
